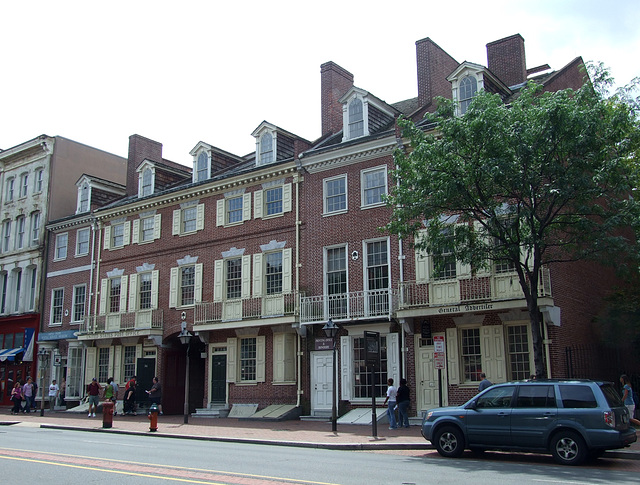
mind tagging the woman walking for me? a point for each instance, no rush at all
(627, 398)
(16, 397)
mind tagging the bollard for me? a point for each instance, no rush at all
(107, 414)
(153, 418)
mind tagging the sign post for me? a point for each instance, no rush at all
(372, 361)
(439, 358)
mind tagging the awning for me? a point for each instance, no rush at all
(6, 353)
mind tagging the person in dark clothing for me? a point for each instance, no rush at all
(155, 394)
(403, 399)
(130, 397)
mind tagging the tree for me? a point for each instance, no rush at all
(545, 179)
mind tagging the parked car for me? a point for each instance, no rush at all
(571, 419)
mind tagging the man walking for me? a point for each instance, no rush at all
(93, 390)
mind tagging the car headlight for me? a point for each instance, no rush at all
(429, 414)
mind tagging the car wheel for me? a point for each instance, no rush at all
(449, 442)
(568, 448)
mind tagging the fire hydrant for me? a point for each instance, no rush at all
(153, 417)
(107, 414)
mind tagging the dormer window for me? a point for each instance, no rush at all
(266, 148)
(83, 198)
(202, 167)
(467, 90)
(146, 187)
(356, 119)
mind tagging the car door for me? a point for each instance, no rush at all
(533, 416)
(489, 421)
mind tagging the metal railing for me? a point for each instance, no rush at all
(354, 305)
(118, 322)
(269, 306)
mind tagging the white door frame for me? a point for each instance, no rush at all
(321, 381)
(427, 378)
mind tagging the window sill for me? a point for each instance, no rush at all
(372, 206)
(335, 213)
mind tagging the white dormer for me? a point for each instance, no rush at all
(105, 191)
(84, 196)
(146, 178)
(201, 154)
(468, 80)
(355, 114)
(266, 143)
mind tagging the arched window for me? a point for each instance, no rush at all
(147, 182)
(202, 167)
(468, 89)
(356, 119)
(83, 204)
(266, 148)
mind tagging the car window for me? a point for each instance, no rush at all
(613, 398)
(576, 396)
(496, 397)
(536, 397)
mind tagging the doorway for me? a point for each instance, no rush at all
(321, 383)
(218, 378)
(427, 384)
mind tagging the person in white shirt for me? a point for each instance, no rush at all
(53, 394)
(391, 401)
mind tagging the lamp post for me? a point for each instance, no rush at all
(331, 330)
(42, 358)
(185, 338)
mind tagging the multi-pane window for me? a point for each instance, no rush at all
(103, 364)
(234, 278)
(187, 285)
(4, 279)
(274, 273)
(117, 235)
(129, 362)
(248, 359)
(273, 200)
(35, 228)
(374, 186)
(33, 289)
(75, 359)
(505, 266)
(79, 302)
(82, 241)
(24, 184)
(18, 288)
(57, 300)
(444, 264)
(202, 167)
(518, 352)
(468, 88)
(115, 288)
(189, 216)
(335, 194)
(147, 228)
(6, 235)
(20, 224)
(356, 119)
(61, 245)
(147, 182)
(471, 355)
(378, 276)
(38, 180)
(266, 148)
(10, 185)
(362, 373)
(337, 280)
(234, 209)
(83, 203)
(145, 280)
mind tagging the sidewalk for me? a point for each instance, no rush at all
(311, 434)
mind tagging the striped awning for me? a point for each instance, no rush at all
(5, 353)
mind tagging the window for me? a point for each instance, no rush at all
(103, 364)
(273, 273)
(537, 396)
(471, 354)
(24, 184)
(187, 285)
(33, 289)
(38, 180)
(518, 351)
(146, 284)
(57, 300)
(129, 362)
(444, 264)
(79, 301)
(234, 209)
(497, 397)
(18, 288)
(336, 265)
(6, 235)
(248, 359)
(378, 277)
(35, 228)
(114, 289)
(20, 223)
(505, 266)
(273, 201)
(356, 119)
(266, 148)
(147, 182)
(189, 219)
(117, 235)
(202, 167)
(233, 269)
(75, 359)
(468, 88)
(4, 279)
(61, 246)
(575, 396)
(83, 198)
(335, 194)
(362, 376)
(374, 186)
(82, 242)
(10, 186)
(147, 229)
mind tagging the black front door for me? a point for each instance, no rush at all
(145, 371)
(219, 378)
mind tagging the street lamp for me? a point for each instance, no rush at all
(185, 338)
(331, 330)
(43, 357)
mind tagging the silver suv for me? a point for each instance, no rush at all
(571, 419)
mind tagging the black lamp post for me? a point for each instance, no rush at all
(43, 357)
(331, 330)
(185, 338)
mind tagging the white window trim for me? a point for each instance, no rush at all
(56, 247)
(51, 322)
(324, 195)
(78, 253)
(274, 146)
(260, 201)
(195, 166)
(24, 187)
(345, 117)
(79, 201)
(221, 209)
(138, 228)
(73, 304)
(38, 180)
(455, 85)
(176, 229)
(141, 178)
(325, 283)
(363, 173)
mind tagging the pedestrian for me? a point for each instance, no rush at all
(390, 402)
(115, 396)
(27, 393)
(33, 397)
(16, 397)
(627, 398)
(484, 383)
(155, 394)
(108, 390)
(403, 398)
(93, 389)
(53, 394)
(130, 397)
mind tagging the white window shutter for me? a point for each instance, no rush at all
(126, 240)
(393, 357)
(135, 233)
(246, 207)
(246, 276)
(124, 282)
(197, 290)
(257, 274)
(175, 227)
(107, 237)
(155, 279)
(422, 261)
(111, 357)
(104, 285)
(133, 292)
(493, 354)
(290, 357)
(90, 367)
(232, 359)
(261, 353)
(173, 287)
(218, 280)
(278, 357)
(287, 273)
(117, 375)
(200, 217)
(220, 212)
(157, 221)
(453, 368)
(345, 368)
(479, 229)
(286, 198)
(257, 204)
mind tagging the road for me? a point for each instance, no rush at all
(80, 458)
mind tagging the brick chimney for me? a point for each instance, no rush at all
(140, 148)
(334, 83)
(434, 65)
(506, 59)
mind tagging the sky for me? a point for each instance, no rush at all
(212, 71)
